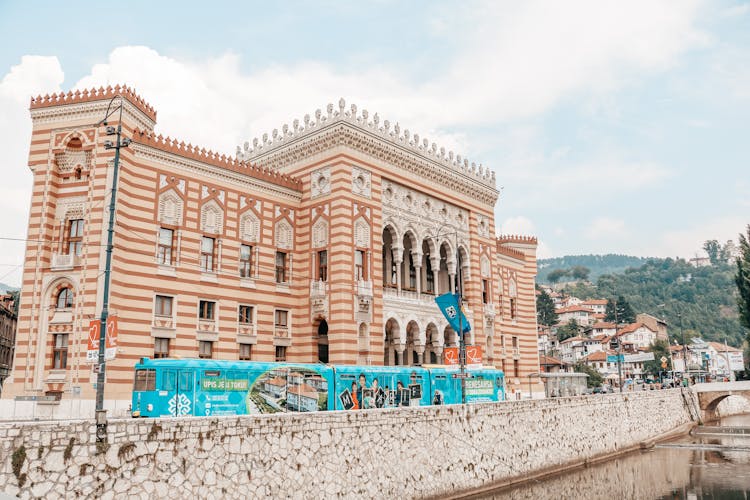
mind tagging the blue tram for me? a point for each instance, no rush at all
(202, 387)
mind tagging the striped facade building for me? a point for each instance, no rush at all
(327, 241)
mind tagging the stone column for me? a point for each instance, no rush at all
(399, 353)
(420, 354)
(418, 272)
(435, 263)
(398, 258)
(438, 350)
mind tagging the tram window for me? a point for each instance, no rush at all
(186, 381)
(145, 380)
(169, 381)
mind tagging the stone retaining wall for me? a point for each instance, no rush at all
(400, 453)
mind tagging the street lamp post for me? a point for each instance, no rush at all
(684, 349)
(101, 413)
(461, 339)
(619, 347)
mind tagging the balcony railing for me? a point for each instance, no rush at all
(246, 329)
(281, 332)
(64, 261)
(207, 325)
(163, 322)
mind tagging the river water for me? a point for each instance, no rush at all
(715, 466)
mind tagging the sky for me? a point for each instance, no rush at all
(612, 127)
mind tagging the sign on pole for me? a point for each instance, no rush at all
(92, 350)
(111, 338)
(473, 355)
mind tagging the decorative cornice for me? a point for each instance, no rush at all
(93, 94)
(203, 155)
(377, 140)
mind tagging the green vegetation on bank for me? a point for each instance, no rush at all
(702, 299)
(596, 265)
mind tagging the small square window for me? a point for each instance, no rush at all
(206, 309)
(246, 351)
(161, 348)
(205, 349)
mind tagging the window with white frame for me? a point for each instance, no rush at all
(165, 252)
(205, 349)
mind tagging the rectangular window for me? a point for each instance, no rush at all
(207, 254)
(206, 309)
(166, 243)
(280, 353)
(246, 261)
(323, 265)
(245, 315)
(280, 267)
(60, 352)
(512, 308)
(163, 306)
(246, 351)
(161, 348)
(360, 265)
(75, 236)
(205, 349)
(281, 318)
(145, 380)
(485, 292)
(515, 368)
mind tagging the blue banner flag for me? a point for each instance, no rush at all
(448, 304)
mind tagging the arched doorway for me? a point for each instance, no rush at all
(392, 338)
(323, 341)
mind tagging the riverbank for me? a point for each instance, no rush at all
(407, 453)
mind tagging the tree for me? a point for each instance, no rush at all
(742, 279)
(557, 275)
(660, 348)
(16, 294)
(580, 273)
(713, 249)
(568, 330)
(625, 313)
(595, 378)
(545, 309)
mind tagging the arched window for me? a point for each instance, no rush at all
(65, 299)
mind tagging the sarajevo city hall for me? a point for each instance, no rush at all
(326, 241)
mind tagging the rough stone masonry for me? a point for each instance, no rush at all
(399, 453)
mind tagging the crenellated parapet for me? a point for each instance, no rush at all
(94, 94)
(392, 133)
(204, 155)
(513, 238)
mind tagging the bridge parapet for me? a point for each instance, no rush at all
(742, 385)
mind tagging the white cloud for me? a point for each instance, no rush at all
(511, 60)
(34, 75)
(688, 241)
(606, 228)
(518, 225)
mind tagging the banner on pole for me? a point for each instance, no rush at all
(473, 355)
(92, 350)
(111, 338)
(448, 304)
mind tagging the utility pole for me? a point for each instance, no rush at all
(101, 413)
(684, 349)
(619, 348)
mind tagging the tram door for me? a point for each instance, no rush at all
(185, 398)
